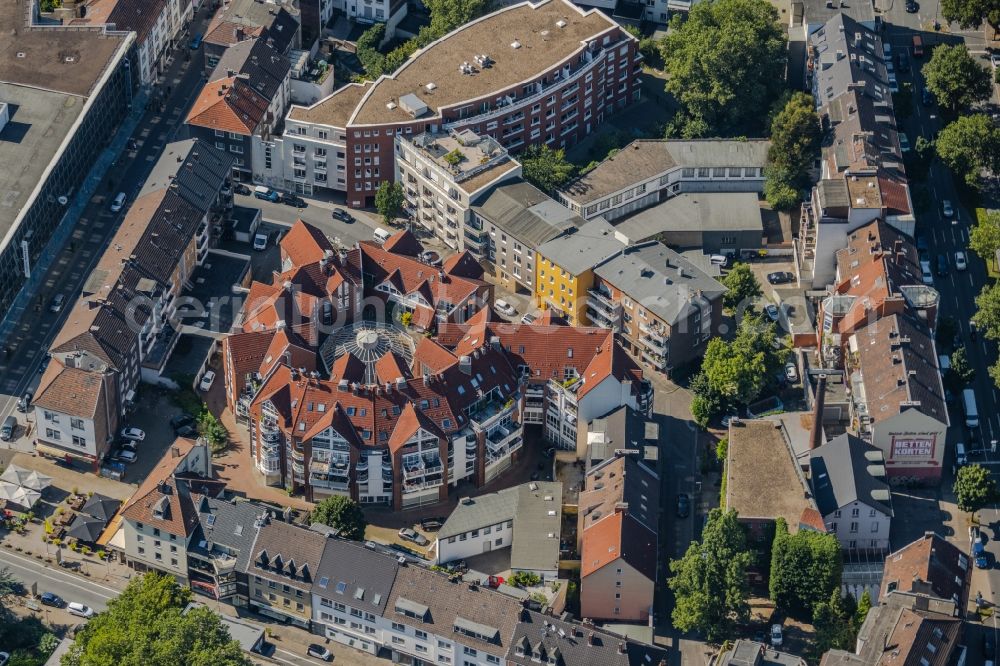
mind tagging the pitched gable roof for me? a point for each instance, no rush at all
(230, 105)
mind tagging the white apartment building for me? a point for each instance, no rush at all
(443, 175)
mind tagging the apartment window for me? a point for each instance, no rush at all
(874, 527)
(141, 550)
(469, 651)
(422, 635)
(420, 648)
(444, 645)
(397, 640)
(836, 514)
(444, 659)
(855, 512)
(236, 149)
(854, 527)
(396, 626)
(79, 441)
(492, 659)
(852, 545)
(158, 556)
(220, 133)
(173, 561)
(871, 514)
(76, 424)
(51, 416)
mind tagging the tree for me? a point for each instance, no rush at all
(974, 487)
(987, 316)
(524, 579)
(446, 15)
(545, 168)
(805, 570)
(343, 514)
(389, 200)
(726, 60)
(9, 586)
(970, 145)
(955, 78)
(961, 367)
(709, 582)
(213, 431)
(971, 13)
(795, 137)
(834, 624)
(737, 371)
(741, 285)
(984, 238)
(778, 188)
(864, 605)
(144, 626)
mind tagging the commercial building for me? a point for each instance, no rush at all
(665, 307)
(527, 74)
(848, 479)
(156, 25)
(862, 176)
(647, 172)
(525, 518)
(63, 93)
(125, 323)
(443, 175)
(514, 220)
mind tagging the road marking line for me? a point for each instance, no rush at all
(69, 577)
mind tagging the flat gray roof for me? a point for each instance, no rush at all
(527, 213)
(589, 245)
(696, 211)
(659, 279)
(40, 120)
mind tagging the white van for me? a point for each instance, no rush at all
(260, 242)
(944, 363)
(381, 235)
(960, 457)
(971, 412)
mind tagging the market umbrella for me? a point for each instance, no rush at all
(26, 477)
(15, 494)
(86, 528)
(101, 507)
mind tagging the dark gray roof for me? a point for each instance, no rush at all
(193, 170)
(101, 507)
(584, 248)
(818, 11)
(696, 211)
(621, 428)
(263, 65)
(576, 645)
(527, 214)
(659, 279)
(227, 524)
(348, 571)
(848, 469)
(752, 653)
(86, 528)
(848, 54)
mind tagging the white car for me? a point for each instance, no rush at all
(504, 308)
(127, 455)
(776, 637)
(791, 372)
(206, 380)
(260, 242)
(528, 318)
(946, 210)
(78, 609)
(925, 272)
(134, 434)
(118, 203)
(904, 142)
(893, 84)
(960, 263)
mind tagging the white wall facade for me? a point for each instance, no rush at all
(67, 431)
(858, 526)
(475, 542)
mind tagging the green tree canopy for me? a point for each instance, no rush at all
(144, 627)
(341, 513)
(984, 238)
(864, 605)
(726, 61)
(974, 487)
(971, 13)
(389, 200)
(961, 367)
(795, 138)
(834, 622)
(710, 582)
(987, 316)
(970, 145)
(446, 15)
(805, 570)
(741, 285)
(955, 78)
(545, 168)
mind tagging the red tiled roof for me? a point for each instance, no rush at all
(464, 265)
(930, 565)
(230, 105)
(431, 356)
(403, 242)
(304, 244)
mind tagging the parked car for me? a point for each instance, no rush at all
(912, 7)
(320, 652)
(127, 456)
(78, 609)
(980, 555)
(57, 303)
(973, 331)
(45, 362)
(683, 505)
(780, 277)
(49, 599)
(918, 46)
(413, 536)
(960, 261)
(181, 420)
(946, 210)
(528, 318)
(504, 308)
(196, 41)
(206, 380)
(265, 193)
(189, 431)
(4, 658)
(893, 83)
(293, 200)
(730, 418)
(904, 61)
(24, 401)
(260, 241)
(8, 428)
(118, 202)
(343, 216)
(135, 434)
(772, 311)
(777, 637)
(926, 98)
(791, 372)
(240, 188)
(904, 142)
(925, 272)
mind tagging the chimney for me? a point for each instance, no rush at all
(621, 648)
(590, 638)
(816, 435)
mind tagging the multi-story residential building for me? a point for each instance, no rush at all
(238, 109)
(525, 518)
(752, 653)
(390, 12)
(58, 111)
(443, 175)
(930, 566)
(654, 11)
(514, 220)
(647, 172)
(847, 477)
(618, 524)
(220, 546)
(564, 269)
(546, 639)
(124, 325)
(156, 26)
(238, 20)
(664, 306)
(552, 74)
(862, 176)
(281, 569)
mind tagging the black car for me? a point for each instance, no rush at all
(922, 245)
(904, 61)
(942, 264)
(53, 600)
(780, 277)
(45, 362)
(926, 98)
(683, 506)
(293, 200)
(188, 431)
(240, 188)
(181, 420)
(343, 216)
(912, 7)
